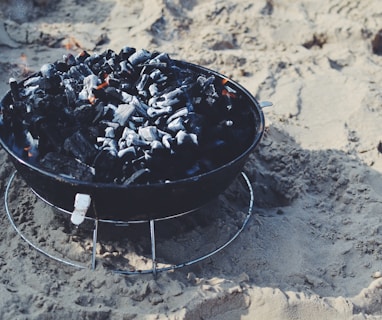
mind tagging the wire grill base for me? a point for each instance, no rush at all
(154, 269)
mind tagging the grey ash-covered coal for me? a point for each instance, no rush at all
(132, 117)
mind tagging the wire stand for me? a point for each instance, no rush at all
(154, 270)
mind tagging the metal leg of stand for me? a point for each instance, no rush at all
(95, 235)
(153, 253)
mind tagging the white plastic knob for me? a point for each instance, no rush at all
(81, 206)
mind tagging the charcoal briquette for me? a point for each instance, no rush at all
(143, 81)
(204, 82)
(168, 141)
(163, 57)
(48, 70)
(126, 52)
(109, 133)
(14, 89)
(182, 112)
(140, 107)
(113, 82)
(61, 66)
(89, 83)
(69, 59)
(107, 167)
(67, 166)
(127, 154)
(82, 56)
(156, 145)
(84, 113)
(186, 139)
(157, 112)
(139, 57)
(134, 139)
(149, 133)
(156, 74)
(176, 125)
(123, 113)
(80, 146)
(153, 90)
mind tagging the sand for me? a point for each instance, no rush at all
(312, 248)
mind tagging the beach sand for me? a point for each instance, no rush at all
(312, 248)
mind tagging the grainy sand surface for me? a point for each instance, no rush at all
(313, 246)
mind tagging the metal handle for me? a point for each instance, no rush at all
(264, 104)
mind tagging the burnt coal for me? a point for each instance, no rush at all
(80, 146)
(67, 166)
(133, 117)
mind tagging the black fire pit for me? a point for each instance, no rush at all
(145, 199)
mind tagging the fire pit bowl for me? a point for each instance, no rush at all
(140, 201)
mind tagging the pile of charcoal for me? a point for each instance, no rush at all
(132, 117)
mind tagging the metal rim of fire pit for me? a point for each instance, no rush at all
(154, 270)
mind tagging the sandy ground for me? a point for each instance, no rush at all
(313, 246)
